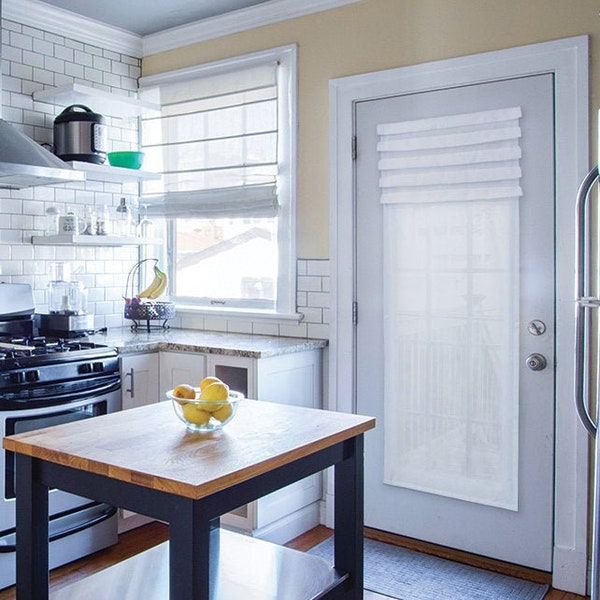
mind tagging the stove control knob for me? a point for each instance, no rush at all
(98, 367)
(32, 375)
(17, 377)
(85, 368)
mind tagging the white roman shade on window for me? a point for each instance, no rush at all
(215, 142)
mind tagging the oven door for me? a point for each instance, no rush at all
(68, 513)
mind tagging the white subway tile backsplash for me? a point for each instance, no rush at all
(64, 53)
(20, 70)
(56, 65)
(75, 44)
(32, 58)
(101, 63)
(42, 47)
(92, 75)
(55, 39)
(74, 70)
(83, 58)
(92, 50)
(317, 331)
(12, 84)
(13, 53)
(309, 284)
(318, 267)
(34, 32)
(43, 76)
(318, 299)
(20, 40)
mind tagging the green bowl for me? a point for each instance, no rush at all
(127, 159)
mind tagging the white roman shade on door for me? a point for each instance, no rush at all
(450, 193)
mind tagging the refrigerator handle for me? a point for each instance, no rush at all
(584, 301)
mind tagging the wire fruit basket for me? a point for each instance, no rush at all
(144, 310)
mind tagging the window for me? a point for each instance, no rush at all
(224, 142)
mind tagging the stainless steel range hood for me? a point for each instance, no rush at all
(24, 163)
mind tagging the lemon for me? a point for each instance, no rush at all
(210, 406)
(215, 392)
(195, 415)
(208, 380)
(224, 412)
(184, 391)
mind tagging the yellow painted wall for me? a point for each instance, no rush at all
(380, 34)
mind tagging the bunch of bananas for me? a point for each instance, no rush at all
(157, 286)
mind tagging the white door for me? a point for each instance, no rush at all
(454, 289)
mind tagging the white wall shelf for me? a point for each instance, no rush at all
(91, 240)
(99, 100)
(105, 172)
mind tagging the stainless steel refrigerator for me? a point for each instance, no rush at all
(587, 353)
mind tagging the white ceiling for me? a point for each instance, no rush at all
(144, 17)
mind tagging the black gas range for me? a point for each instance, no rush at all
(46, 381)
(33, 366)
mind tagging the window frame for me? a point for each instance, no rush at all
(287, 110)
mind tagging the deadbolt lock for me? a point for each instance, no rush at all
(536, 327)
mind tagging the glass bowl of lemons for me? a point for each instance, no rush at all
(208, 407)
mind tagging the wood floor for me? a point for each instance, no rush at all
(150, 535)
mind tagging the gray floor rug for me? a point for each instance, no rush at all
(409, 575)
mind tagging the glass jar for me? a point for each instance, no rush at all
(52, 215)
(123, 224)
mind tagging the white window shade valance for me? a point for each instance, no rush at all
(466, 157)
(251, 201)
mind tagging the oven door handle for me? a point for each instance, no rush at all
(107, 512)
(113, 385)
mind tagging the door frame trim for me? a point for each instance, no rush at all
(567, 60)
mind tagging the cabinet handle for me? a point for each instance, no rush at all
(131, 389)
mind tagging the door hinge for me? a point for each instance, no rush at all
(355, 313)
(354, 153)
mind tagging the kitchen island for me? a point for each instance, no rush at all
(145, 460)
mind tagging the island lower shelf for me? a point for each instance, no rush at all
(246, 568)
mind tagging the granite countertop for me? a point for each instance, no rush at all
(207, 342)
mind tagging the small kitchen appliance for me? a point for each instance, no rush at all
(47, 381)
(80, 134)
(67, 306)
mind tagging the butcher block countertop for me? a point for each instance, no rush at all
(207, 342)
(150, 447)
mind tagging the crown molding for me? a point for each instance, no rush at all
(40, 15)
(266, 13)
(68, 24)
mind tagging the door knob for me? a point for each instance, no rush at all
(536, 362)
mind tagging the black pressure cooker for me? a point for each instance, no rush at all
(80, 134)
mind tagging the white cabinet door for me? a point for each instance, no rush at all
(139, 386)
(139, 379)
(181, 367)
(293, 379)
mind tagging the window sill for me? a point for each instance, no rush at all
(237, 314)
